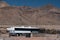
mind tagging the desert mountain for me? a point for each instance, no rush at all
(3, 4)
(24, 15)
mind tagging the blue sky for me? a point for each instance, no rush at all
(33, 3)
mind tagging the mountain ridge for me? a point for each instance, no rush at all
(25, 15)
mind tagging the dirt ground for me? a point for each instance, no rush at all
(47, 37)
(32, 38)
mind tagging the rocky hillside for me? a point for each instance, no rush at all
(25, 15)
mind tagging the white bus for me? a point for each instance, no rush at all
(26, 31)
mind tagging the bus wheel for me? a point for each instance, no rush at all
(28, 35)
